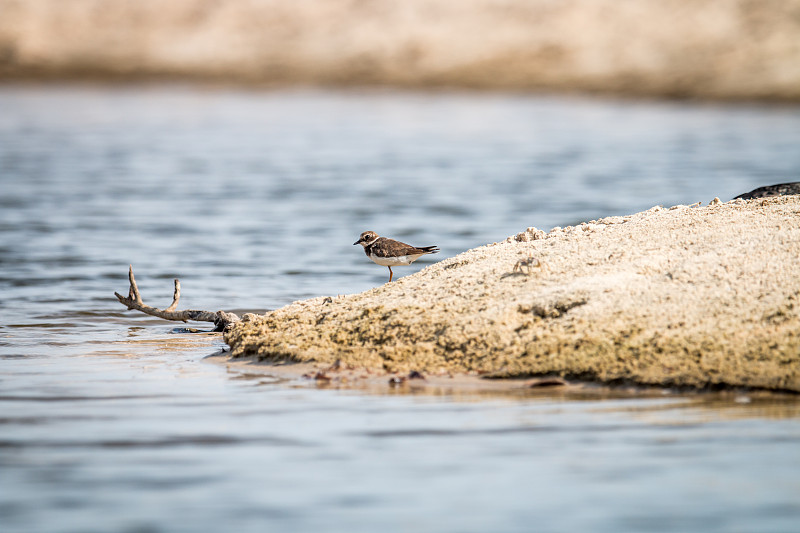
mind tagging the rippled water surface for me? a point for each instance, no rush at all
(111, 421)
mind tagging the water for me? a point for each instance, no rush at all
(112, 421)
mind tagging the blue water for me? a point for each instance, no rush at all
(112, 421)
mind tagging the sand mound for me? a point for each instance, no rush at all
(684, 296)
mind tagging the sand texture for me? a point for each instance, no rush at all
(726, 49)
(687, 296)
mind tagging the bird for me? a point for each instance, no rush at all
(389, 252)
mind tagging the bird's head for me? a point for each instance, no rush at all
(366, 238)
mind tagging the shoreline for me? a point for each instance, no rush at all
(687, 297)
(103, 79)
(325, 377)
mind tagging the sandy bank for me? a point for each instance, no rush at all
(688, 48)
(684, 296)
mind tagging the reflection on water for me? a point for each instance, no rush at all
(163, 441)
(112, 421)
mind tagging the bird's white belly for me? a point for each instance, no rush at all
(395, 261)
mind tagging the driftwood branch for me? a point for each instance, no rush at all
(221, 319)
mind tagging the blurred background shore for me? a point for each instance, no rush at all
(705, 49)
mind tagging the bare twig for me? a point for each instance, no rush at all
(221, 319)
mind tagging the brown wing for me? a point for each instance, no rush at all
(384, 247)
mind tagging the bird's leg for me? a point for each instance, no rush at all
(390, 274)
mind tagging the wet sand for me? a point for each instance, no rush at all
(471, 386)
(702, 297)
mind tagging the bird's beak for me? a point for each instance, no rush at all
(357, 242)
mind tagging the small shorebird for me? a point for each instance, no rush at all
(389, 253)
